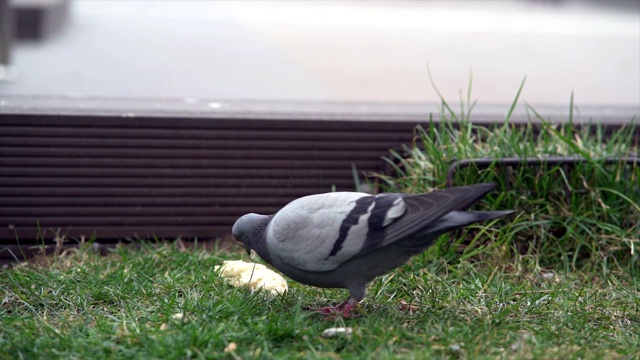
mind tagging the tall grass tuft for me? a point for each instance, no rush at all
(583, 217)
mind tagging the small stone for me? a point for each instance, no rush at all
(337, 331)
(231, 347)
(542, 300)
(547, 275)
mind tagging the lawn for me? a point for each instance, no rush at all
(558, 280)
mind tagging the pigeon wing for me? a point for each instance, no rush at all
(424, 209)
(320, 232)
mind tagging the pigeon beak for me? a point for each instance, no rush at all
(245, 247)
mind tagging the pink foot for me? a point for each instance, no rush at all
(343, 309)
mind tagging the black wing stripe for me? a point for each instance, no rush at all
(352, 218)
(381, 207)
(375, 235)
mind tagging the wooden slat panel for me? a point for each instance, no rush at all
(19, 151)
(244, 122)
(189, 177)
(173, 173)
(171, 183)
(41, 162)
(263, 144)
(153, 192)
(117, 220)
(108, 233)
(191, 135)
(70, 199)
(76, 207)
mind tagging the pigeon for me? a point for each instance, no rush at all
(347, 239)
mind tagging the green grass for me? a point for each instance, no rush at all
(560, 279)
(81, 305)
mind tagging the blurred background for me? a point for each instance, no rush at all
(324, 50)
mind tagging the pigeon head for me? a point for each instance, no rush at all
(250, 231)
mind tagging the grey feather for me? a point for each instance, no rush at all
(397, 227)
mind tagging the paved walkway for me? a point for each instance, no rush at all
(352, 51)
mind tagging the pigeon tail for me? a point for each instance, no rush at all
(450, 222)
(458, 219)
